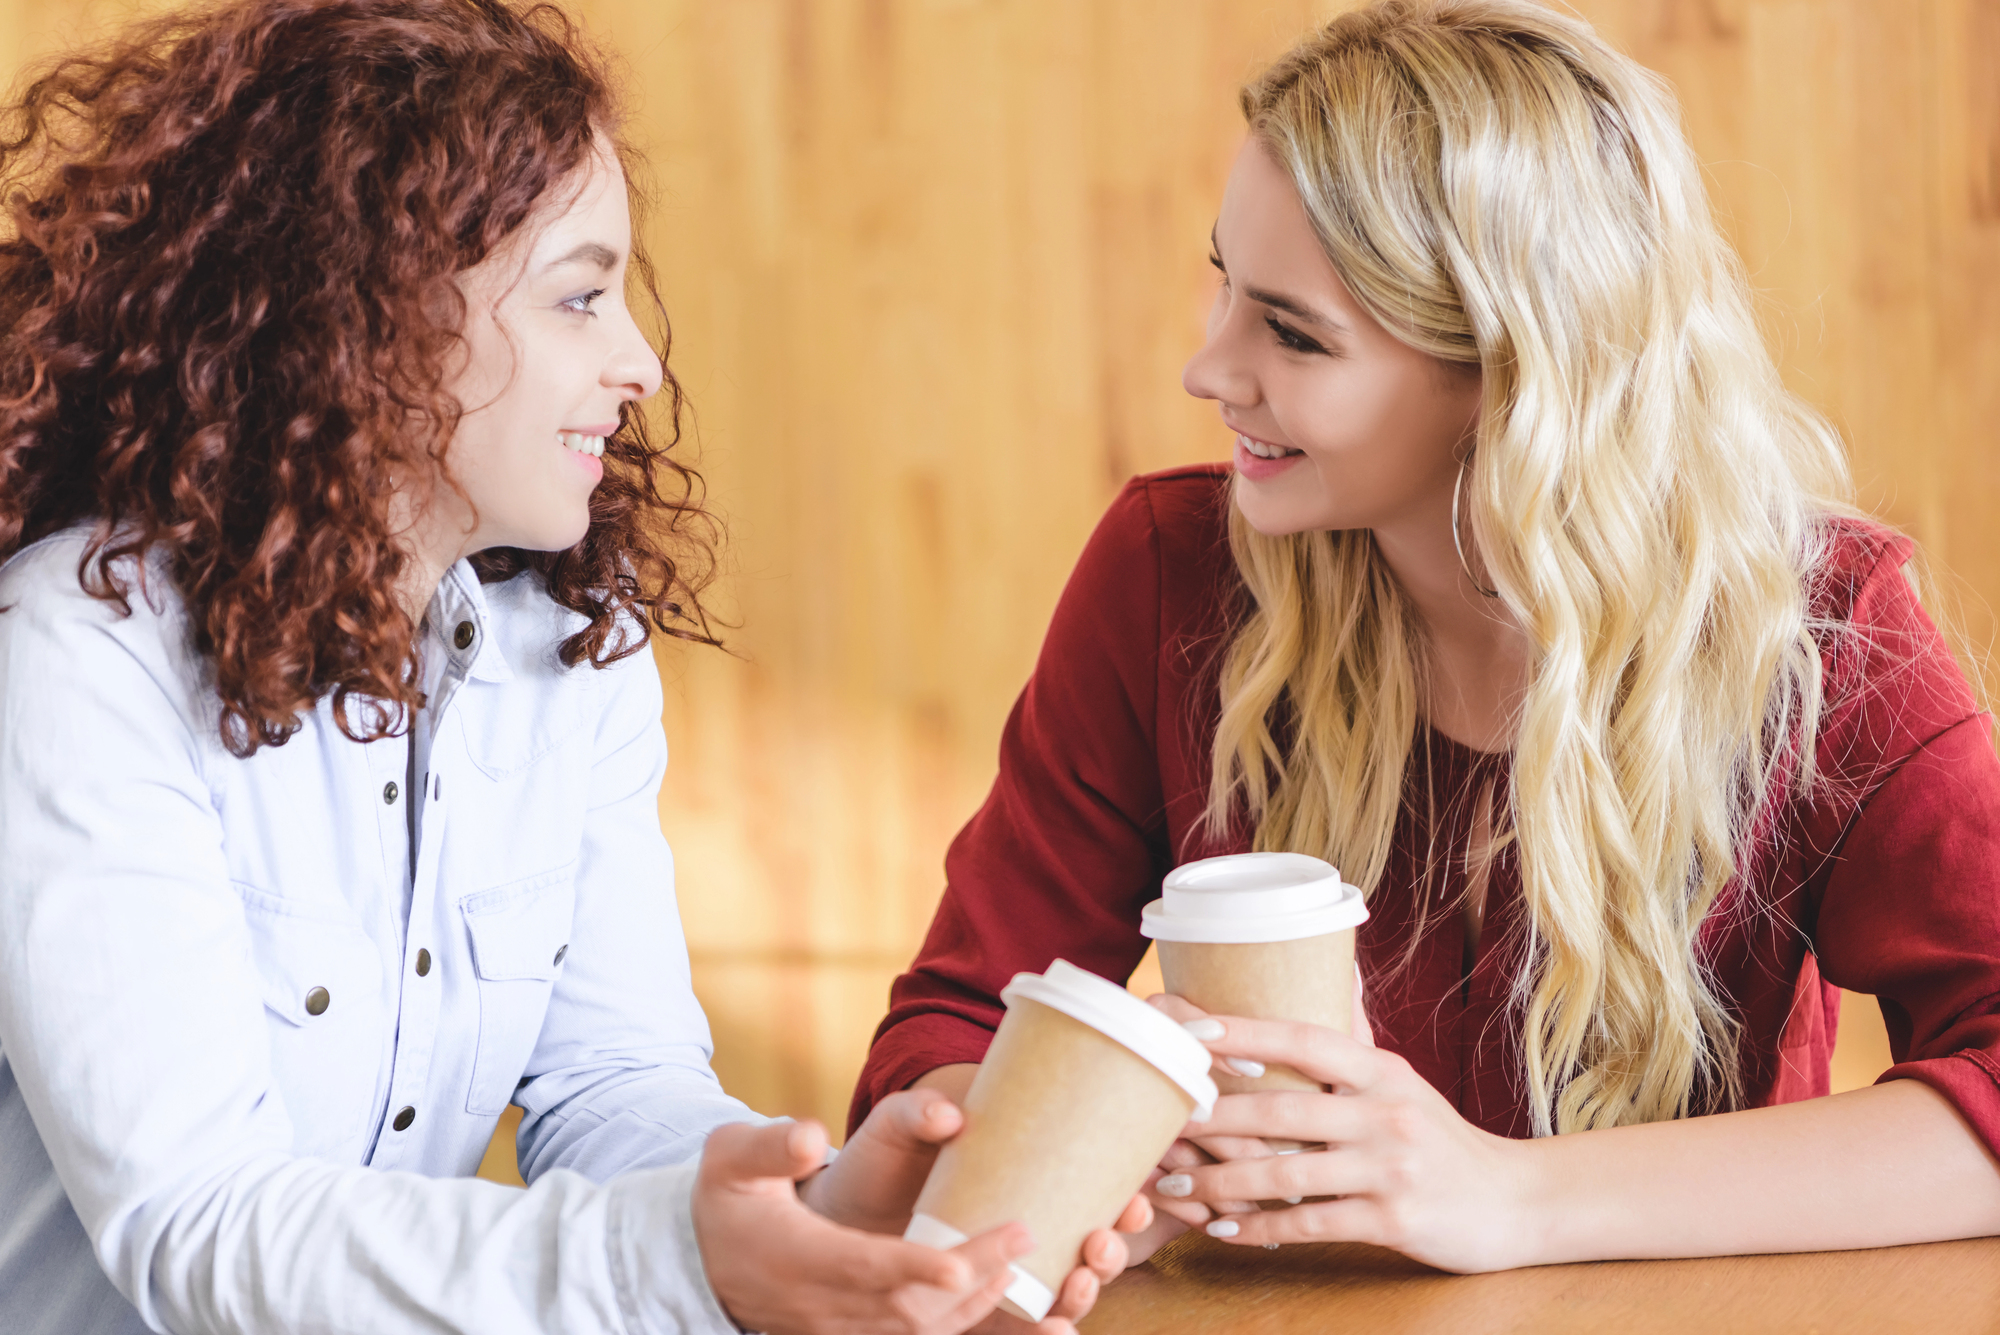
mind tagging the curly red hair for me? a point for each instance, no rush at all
(225, 312)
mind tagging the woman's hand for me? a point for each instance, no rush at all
(873, 1184)
(777, 1266)
(1103, 1259)
(1407, 1171)
(1205, 1149)
(1181, 1156)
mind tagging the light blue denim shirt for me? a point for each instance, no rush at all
(251, 1049)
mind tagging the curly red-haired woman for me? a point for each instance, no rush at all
(329, 745)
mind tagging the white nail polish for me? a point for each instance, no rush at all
(1243, 1066)
(1175, 1184)
(1205, 1030)
(1223, 1228)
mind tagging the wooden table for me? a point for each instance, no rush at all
(1196, 1285)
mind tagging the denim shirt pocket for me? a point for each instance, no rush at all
(320, 979)
(507, 741)
(520, 936)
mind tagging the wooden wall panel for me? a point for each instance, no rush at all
(934, 265)
(934, 268)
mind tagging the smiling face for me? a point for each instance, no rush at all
(1339, 424)
(550, 354)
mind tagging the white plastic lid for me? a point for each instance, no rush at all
(1248, 897)
(1123, 1018)
(1024, 1291)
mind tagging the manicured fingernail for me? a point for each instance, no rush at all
(1175, 1184)
(1205, 1030)
(1244, 1066)
(1223, 1228)
(1293, 1200)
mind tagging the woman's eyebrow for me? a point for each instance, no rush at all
(1294, 308)
(590, 252)
(1279, 301)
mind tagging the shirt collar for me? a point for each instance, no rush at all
(461, 600)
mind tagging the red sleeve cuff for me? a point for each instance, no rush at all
(1970, 1079)
(912, 1049)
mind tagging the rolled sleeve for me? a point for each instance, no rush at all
(661, 1289)
(1911, 915)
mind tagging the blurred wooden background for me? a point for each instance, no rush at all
(934, 266)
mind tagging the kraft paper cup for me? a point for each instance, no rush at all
(1083, 1090)
(1269, 936)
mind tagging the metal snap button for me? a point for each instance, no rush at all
(404, 1118)
(462, 636)
(389, 791)
(423, 964)
(317, 1001)
(560, 953)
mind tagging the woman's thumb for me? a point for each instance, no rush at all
(787, 1149)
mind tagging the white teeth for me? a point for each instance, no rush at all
(582, 444)
(1261, 450)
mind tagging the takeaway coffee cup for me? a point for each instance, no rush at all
(1269, 936)
(1083, 1090)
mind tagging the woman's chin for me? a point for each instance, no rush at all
(551, 535)
(1279, 516)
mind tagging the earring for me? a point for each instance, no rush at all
(1459, 546)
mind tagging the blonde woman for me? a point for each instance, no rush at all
(1537, 605)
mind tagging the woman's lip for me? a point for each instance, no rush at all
(610, 430)
(1255, 467)
(590, 464)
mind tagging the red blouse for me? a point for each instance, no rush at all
(1885, 881)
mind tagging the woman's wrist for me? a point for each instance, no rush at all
(1540, 1226)
(951, 1081)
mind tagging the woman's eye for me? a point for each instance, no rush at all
(1291, 337)
(1216, 260)
(581, 302)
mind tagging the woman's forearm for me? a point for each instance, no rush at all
(1874, 1167)
(1877, 1167)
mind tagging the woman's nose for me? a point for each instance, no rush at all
(633, 368)
(1219, 371)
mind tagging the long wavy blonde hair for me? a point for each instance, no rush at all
(1498, 187)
